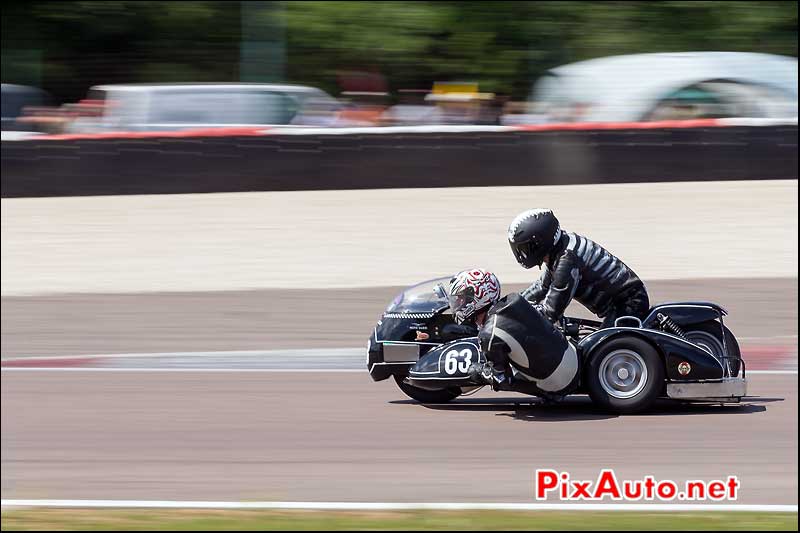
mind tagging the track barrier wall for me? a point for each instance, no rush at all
(280, 159)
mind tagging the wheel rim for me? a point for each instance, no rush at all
(708, 342)
(623, 373)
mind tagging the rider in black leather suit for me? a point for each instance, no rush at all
(574, 267)
(517, 340)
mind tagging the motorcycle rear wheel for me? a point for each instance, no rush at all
(708, 335)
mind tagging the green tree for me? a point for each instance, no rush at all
(66, 46)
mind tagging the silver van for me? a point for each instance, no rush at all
(167, 107)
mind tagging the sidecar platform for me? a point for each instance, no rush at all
(726, 390)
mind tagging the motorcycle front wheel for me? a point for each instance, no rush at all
(427, 396)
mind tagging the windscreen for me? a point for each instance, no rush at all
(428, 296)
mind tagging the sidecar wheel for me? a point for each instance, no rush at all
(427, 396)
(625, 376)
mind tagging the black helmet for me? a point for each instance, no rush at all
(532, 235)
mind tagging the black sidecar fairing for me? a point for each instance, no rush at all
(703, 365)
(446, 366)
(684, 313)
(417, 320)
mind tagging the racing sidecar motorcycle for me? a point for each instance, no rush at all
(681, 351)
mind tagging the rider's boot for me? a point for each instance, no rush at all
(481, 373)
(487, 374)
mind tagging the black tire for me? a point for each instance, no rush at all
(427, 396)
(643, 391)
(699, 334)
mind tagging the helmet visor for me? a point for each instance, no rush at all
(524, 254)
(462, 303)
(529, 254)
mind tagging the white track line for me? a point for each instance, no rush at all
(289, 352)
(156, 369)
(371, 506)
(341, 359)
(261, 370)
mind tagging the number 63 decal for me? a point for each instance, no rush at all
(458, 361)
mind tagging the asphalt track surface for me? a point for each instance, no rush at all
(337, 436)
(320, 436)
(764, 310)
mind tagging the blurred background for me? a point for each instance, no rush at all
(393, 63)
(234, 186)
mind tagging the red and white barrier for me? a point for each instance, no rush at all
(386, 130)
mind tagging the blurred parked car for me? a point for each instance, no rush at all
(663, 86)
(164, 107)
(15, 98)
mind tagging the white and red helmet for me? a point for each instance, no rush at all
(472, 291)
